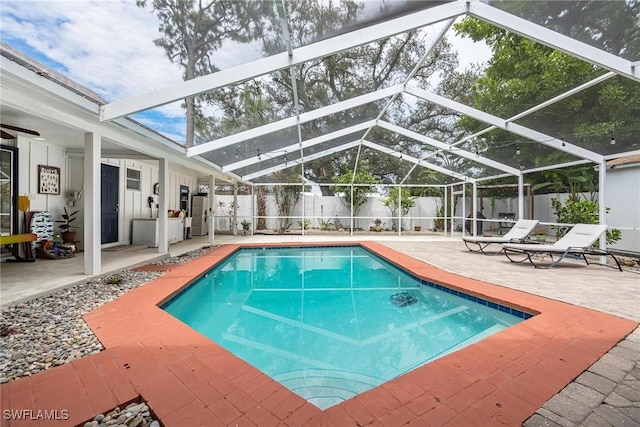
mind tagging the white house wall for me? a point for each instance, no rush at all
(623, 198)
(32, 153)
(133, 203)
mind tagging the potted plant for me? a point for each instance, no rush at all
(68, 233)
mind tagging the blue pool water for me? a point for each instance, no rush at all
(330, 322)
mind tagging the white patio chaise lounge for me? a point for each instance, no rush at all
(518, 233)
(578, 242)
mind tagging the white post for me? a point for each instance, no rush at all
(464, 208)
(91, 206)
(453, 213)
(163, 201)
(602, 206)
(446, 206)
(235, 209)
(303, 209)
(474, 206)
(352, 222)
(521, 196)
(253, 211)
(211, 209)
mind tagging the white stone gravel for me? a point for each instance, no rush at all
(48, 331)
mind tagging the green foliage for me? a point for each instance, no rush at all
(357, 194)
(580, 212)
(114, 280)
(523, 73)
(406, 202)
(192, 31)
(325, 225)
(304, 224)
(574, 181)
(67, 219)
(287, 196)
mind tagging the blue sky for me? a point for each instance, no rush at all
(108, 47)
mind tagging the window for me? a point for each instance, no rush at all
(133, 179)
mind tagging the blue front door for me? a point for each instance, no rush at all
(110, 179)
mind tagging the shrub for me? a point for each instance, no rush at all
(580, 212)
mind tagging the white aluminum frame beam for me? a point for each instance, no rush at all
(416, 161)
(446, 147)
(429, 46)
(301, 160)
(284, 25)
(243, 72)
(293, 121)
(553, 39)
(305, 144)
(505, 125)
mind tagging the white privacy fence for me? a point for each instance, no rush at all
(320, 212)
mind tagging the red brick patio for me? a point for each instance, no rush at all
(188, 380)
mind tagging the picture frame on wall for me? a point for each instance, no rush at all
(48, 179)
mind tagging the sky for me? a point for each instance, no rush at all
(108, 47)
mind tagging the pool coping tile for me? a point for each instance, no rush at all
(184, 376)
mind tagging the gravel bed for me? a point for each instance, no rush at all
(132, 415)
(48, 331)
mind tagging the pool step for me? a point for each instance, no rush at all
(324, 387)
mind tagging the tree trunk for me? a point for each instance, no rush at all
(261, 201)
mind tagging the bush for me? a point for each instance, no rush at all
(580, 212)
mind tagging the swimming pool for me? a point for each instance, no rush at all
(331, 322)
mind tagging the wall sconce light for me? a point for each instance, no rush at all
(72, 197)
(517, 150)
(613, 140)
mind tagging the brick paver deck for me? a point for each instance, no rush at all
(189, 380)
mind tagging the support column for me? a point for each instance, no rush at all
(474, 206)
(464, 207)
(352, 221)
(252, 227)
(235, 209)
(602, 212)
(444, 213)
(521, 196)
(91, 205)
(303, 209)
(211, 209)
(163, 201)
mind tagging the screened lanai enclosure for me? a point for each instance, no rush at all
(400, 115)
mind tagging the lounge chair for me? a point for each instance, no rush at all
(576, 243)
(518, 233)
